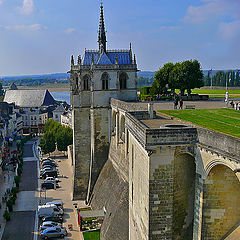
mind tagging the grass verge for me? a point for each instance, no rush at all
(93, 235)
(226, 121)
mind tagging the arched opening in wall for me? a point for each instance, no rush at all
(122, 128)
(123, 80)
(86, 83)
(221, 208)
(105, 81)
(184, 171)
(114, 115)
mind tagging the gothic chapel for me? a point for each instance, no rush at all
(96, 78)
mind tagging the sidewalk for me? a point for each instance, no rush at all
(64, 193)
(5, 183)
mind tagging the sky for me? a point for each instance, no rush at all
(39, 36)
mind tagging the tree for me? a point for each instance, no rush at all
(47, 142)
(161, 79)
(186, 75)
(1, 90)
(64, 138)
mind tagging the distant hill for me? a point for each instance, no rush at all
(146, 74)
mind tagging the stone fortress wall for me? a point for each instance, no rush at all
(162, 184)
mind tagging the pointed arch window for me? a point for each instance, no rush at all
(123, 80)
(86, 83)
(105, 81)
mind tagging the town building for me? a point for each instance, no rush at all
(66, 118)
(35, 107)
(57, 112)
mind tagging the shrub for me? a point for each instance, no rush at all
(17, 180)
(14, 190)
(10, 204)
(6, 215)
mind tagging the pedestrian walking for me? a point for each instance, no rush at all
(181, 104)
(175, 103)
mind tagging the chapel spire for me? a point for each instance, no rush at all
(102, 40)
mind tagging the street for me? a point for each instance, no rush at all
(21, 225)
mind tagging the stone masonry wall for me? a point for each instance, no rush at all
(81, 151)
(183, 196)
(99, 143)
(111, 192)
(221, 208)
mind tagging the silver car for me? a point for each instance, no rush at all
(53, 232)
(49, 224)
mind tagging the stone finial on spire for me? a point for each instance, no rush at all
(72, 60)
(102, 39)
(79, 60)
(130, 51)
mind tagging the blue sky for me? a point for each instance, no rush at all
(39, 36)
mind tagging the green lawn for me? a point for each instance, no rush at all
(94, 235)
(212, 91)
(222, 120)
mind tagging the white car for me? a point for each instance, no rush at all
(49, 224)
(52, 179)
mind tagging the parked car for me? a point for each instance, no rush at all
(53, 232)
(45, 163)
(48, 173)
(59, 204)
(48, 185)
(49, 224)
(48, 166)
(58, 219)
(48, 169)
(52, 179)
(46, 210)
(47, 182)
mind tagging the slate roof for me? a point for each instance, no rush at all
(124, 57)
(59, 108)
(29, 98)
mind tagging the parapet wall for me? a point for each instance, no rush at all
(223, 144)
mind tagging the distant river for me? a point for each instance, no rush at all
(61, 96)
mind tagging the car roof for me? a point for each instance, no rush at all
(48, 222)
(51, 228)
(49, 216)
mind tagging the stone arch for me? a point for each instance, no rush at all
(221, 196)
(122, 128)
(105, 81)
(184, 175)
(86, 83)
(123, 77)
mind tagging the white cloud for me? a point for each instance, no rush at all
(70, 30)
(27, 7)
(229, 30)
(212, 8)
(33, 27)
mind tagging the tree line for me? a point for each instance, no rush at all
(184, 75)
(220, 78)
(55, 135)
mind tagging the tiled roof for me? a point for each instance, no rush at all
(29, 98)
(124, 57)
(104, 60)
